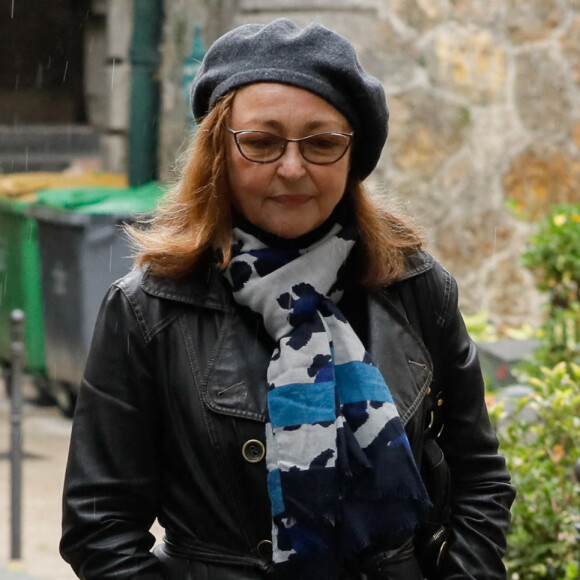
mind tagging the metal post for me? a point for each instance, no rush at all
(17, 363)
(577, 474)
(145, 91)
(191, 66)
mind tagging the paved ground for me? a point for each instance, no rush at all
(45, 442)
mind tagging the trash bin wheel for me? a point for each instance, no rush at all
(64, 397)
(42, 391)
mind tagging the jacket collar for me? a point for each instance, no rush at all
(209, 289)
(417, 263)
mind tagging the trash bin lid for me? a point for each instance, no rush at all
(102, 201)
(17, 205)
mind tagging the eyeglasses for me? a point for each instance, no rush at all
(264, 147)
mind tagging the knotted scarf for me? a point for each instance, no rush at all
(341, 476)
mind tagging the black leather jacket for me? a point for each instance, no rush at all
(174, 390)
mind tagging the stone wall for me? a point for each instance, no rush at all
(116, 83)
(181, 16)
(485, 109)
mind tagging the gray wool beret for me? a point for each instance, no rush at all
(314, 58)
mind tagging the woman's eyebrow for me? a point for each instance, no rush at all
(311, 125)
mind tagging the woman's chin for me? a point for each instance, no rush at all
(290, 230)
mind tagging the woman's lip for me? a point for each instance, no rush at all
(292, 199)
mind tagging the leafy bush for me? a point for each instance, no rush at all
(540, 438)
(553, 254)
(541, 442)
(560, 336)
(479, 326)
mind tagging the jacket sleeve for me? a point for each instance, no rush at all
(481, 492)
(111, 483)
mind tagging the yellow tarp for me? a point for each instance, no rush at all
(15, 185)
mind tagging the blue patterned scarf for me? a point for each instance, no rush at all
(341, 475)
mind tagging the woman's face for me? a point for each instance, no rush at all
(288, 197)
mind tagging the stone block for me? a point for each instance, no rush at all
(542, 92)
(119, 29)
(425, 129)
(468, 62)
(485, 13)
(570, 43)
(119, 95)
(115, 153)
(96, 92)
(483, 250)
(532, 20)
(391, 56)
(421, 15)
(540, 177)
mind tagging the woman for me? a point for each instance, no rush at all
(284, 381)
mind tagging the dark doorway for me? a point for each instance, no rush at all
(41, 61)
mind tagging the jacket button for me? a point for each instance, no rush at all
(264, 550)
(253, 451)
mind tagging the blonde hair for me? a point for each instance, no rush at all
(195, 217)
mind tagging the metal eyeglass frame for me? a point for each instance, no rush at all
(283, 150)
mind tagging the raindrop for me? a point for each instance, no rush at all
(111, 259)
(17, 81)
(65, 71)
(12, 11)
(26, 162)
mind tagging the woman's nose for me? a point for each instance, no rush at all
(292, 165)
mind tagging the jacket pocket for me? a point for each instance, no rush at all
(175, 568)
(433, 535)
(172, 568)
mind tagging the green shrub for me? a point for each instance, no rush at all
(541, 443)
(560, 336)
(479, 326)
(553, 254)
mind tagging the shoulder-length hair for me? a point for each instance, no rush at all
(194, 219)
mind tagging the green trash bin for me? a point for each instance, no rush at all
(82, 251)
(20, 280)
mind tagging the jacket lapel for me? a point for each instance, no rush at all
(399, 354)
(241, 390)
